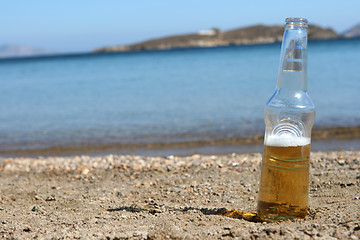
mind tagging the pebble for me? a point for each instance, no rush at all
(85, 171)
(35, 209)
(37, 197)
(50, 198)
(27, 229)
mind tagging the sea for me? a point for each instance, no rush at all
(196, 99)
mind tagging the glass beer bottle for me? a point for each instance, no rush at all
(289, 117)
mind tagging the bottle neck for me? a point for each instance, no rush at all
(293, 62)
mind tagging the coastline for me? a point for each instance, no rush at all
(324, 139)
(134, 197)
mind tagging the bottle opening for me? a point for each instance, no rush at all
(296, 22)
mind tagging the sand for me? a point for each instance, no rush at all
(132, 197)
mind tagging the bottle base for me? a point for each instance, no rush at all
(271, 212)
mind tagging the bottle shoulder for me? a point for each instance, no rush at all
(291, 99)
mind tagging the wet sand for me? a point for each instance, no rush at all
(191, 197)
(324, 139)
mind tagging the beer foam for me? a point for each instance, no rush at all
(286, 140)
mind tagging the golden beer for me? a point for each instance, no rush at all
(284, 182)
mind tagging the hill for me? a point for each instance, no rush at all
(353, 32)
(215, 37)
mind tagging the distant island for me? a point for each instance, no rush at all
(10, 51)
(353, 32)
(215, 37)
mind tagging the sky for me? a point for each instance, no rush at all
(79, 26)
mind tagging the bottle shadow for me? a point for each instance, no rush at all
(233, 213)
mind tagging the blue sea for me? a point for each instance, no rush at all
(170, 96)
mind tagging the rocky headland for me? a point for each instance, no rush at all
(353, 32)
(257, 34)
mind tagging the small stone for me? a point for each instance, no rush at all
(353, 237)
(27, 229)
(35, 209)
(51, 198)
(85, 171)
(37, 197)
(269, 230)
(153, 211)
(341, 162)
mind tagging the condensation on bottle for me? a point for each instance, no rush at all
(289, 117)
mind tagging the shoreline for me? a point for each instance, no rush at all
(323, 139)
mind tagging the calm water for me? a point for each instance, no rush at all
(165, 96)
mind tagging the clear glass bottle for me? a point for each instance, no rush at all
(289, 117)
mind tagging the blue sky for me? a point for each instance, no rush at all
(77, 26)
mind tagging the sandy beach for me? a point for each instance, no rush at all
(193, 197)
